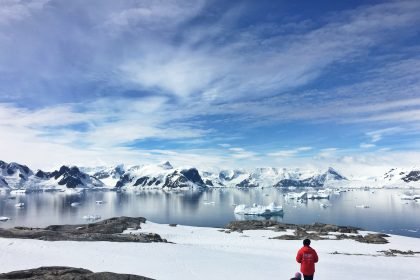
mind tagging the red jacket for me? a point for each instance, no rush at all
(307, 257)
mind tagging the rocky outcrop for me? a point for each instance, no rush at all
(106, 230)
(413, 176)
(316, 231)
(184, 179)
(67, 273)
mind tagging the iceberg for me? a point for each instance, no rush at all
(298, 196)
(318, 196)
(4, 219)
(259, 210)
(92, 217)
(20, 205)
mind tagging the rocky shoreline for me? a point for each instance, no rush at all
(67, 273)
(107, 230)
(316, 231)
(112, 230)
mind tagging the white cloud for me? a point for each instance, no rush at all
(367, 145)
(290, 152)
(224, 145)
(16, 10)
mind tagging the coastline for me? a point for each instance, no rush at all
(211, 253)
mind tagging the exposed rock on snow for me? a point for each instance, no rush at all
(317, 231)
(59, 272)
(165, 176)
(106, 230)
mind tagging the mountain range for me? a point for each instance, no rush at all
(164, 176)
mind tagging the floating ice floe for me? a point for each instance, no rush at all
(323, 205)
(92, 217)
(298, 196)
(4, 219)
(209, 203)
(318, 196)
(362, 206)
(19, 191)
(20, 205)
(75, 204)
(99, 202)
(259, 210)
(410, 197)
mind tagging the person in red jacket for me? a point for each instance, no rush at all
(307, 257)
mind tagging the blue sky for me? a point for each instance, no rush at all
(210, 83)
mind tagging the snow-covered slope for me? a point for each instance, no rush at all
(210, 253)
(67, 177)
(165, 176)
(159, 176)
(14, 175)
(108, 175)
(17, 176)
(268, 177)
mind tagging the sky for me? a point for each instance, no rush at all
(211, 83)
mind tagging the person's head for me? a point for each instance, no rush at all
(306, 242)
(297, 275)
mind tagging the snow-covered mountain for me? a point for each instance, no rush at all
(159, 176)
(400, 175)
(70, 177)
(17, 176)
(13, 175)
(165, 176)
(269, 177)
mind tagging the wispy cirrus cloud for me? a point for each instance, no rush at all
(89, 76)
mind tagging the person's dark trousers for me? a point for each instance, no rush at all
(308, 277)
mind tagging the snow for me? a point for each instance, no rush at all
(208, 253)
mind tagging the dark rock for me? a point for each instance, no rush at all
(209, 183)
(316, 231)
(246, 184)
(193, 176)
(67, 273)
(413, 176)
(43, 175)
(3, 182)
(123, 180)
(377, 238)
(106, 230)
(141, 181)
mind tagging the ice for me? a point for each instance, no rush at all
(362, 206)
(92, 217)
(318, 196)
(20, 205)
(19, 191)
(75, 204)
(259, 210)
(298, 196)
(4, 219)
(209, 203)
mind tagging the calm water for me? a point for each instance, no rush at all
(387, 212)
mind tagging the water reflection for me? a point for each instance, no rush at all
(214, 207)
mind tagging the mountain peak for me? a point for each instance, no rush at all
(166, 165)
